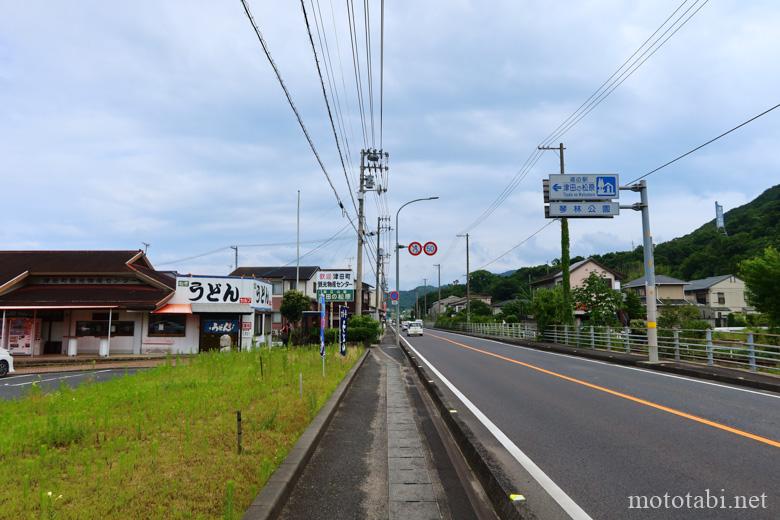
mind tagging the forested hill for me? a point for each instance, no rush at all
(703, 252)
(707, 251)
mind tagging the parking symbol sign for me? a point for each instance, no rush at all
(606, 186)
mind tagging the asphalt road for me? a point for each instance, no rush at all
(601, 433)
(13, 387)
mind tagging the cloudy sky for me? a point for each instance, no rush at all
(162, 122)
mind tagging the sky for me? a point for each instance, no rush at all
(163, 122)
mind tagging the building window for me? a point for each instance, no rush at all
(278, 288)
(721, 298)
(277, 317)
(701, 297)
(100, 328)
(167, 325)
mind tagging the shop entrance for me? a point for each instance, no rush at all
(213, 327)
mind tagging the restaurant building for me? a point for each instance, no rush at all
(115, 302)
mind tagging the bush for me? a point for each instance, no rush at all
(363, 329)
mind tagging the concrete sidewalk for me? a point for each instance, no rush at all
(380, 457)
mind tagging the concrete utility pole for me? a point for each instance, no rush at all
(147, 244)
(468, 281)
(565, 261)
(425, 297)
(438, 302)
(379, 253)
(298, 243)
(359, 273)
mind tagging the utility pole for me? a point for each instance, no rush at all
(298, 243)
(146, 246)
(565, 283)
(359, 275)
(468, 281)
(425, 297)
(379, 254)
(235, 249)
(438, 302)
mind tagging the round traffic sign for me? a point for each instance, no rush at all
(394, 295)
(415, 248)
(430, 248)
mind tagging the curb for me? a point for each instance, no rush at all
(721, 375)
(494, 486)
(269, 502)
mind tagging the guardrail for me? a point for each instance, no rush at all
(754, 351)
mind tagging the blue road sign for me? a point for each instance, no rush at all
(592, 186)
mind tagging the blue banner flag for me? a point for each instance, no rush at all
(343, 330)
(322, 325)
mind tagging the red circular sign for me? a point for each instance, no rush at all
(415, 248)
(430, 248)
(394, 295)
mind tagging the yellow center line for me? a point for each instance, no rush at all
(622, 395)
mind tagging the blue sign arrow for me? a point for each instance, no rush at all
(556, 187)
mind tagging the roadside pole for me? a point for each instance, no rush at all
(425, 297)
(297, 244)
(438, 302)
(650, 298)
(379, 253)
(468, 280)
(359, 268)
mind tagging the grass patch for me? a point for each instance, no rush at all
(162, 443)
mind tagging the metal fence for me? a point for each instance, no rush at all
(754, 351)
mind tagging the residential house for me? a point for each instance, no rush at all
(718, 296)
(460, 303)
(440, 306)
(668, 290)
(578, 273)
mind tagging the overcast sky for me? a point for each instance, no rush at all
(162, 122)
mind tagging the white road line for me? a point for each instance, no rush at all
(560, 496)
(615, 365)
(58, 378)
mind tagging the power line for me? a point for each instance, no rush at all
(356, 67)
(689, 152)
(327, 103)
(292, 105)
(526, 239)
(634, 61)
(381, 73)
(369, 66)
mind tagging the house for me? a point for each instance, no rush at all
(578, 273)
(440, 306)
(104, 302)
(668, 290)
(718, 296)
(459, 304)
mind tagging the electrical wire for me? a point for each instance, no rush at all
(526, 239)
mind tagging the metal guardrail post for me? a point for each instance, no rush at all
(565, 334)
(577, 336)
(627, 340)
(592, 338)
(609, 338)
(710, 360)
(751, 352)
(676, 344)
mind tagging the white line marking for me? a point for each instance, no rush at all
(58, 378)
(560, 496)
(607, 363)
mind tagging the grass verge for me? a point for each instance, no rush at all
(162, 443)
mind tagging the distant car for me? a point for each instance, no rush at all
(404, 325)
(6, 363)
(415, 329)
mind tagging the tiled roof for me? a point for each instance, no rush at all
(285, 272)
(130, 296)
(15, 263)
(573, 267)
(660, 279)
(705, 283)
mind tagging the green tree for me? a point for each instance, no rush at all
(514, 311)
(548, 307)
(762, 278)
(481, 281)
(679, 316)
(599, 299)
(632, 304)
(480, 308)
(293, 305)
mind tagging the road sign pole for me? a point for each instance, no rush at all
(650, 294)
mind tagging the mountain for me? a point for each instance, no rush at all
(701, 253)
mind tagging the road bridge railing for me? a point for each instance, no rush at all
(755, 351)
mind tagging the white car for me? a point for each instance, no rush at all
(404, 325)
(415, 329)
(6, 363)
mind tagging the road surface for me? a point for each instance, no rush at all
(593, 435)
(13, 387)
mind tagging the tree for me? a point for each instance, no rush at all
(599, 298)
(632, 304)
(679, 316)
(480, 308)
(548, 307)
(481, 280)
(513, 311)
(293, 305)
(762, 278)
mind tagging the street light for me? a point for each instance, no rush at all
(398, 271)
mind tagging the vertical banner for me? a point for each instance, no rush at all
(322, 325)
(343, 330)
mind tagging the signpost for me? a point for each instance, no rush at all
(336, 286)
(394, 296)
(415, 248)
(322, 331)
(583, 209)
